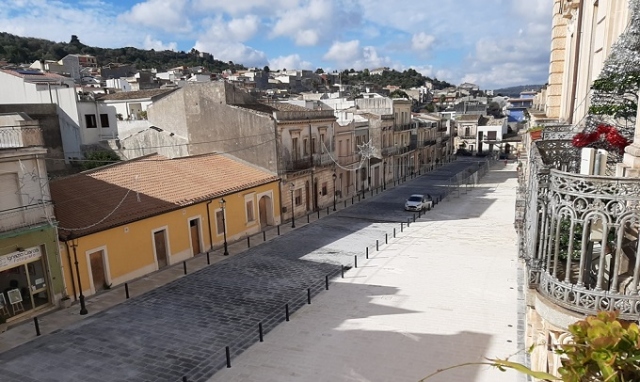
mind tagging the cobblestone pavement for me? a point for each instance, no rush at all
(182, 328)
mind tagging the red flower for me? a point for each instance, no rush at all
(604, 129)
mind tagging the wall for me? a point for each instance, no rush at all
(92, 136)
(129, 249)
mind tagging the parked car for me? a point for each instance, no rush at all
(418, 202)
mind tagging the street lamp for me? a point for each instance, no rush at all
(293, 215)
(384, 175)
(74, 245)
(223, 204)
(334, 176)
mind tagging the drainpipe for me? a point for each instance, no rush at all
(73, 281)
(209, 223)
(574, 85)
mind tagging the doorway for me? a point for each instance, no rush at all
(307, 192)
(194, 232)
(160, 241)
(98, 277)
(265, 210)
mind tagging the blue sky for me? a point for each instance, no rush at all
(492, 43)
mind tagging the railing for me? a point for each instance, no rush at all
(11, 137)
(310, 162)
(579, 234)
(403, 127)
(467, 136)
(26, 216)
(430, 142)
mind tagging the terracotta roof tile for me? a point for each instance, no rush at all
(152, 184)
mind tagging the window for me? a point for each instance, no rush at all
(467, 131)
(298, 197)
(249, 205)
(313, 145)
(219, 222)
(304, 147)
(295, 149)
(349, 148)
(324, 188)
(322, 143)
(104, 120)
(90, 121)
(491, 135)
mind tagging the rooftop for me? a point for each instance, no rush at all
(136, 94)
(128, 191)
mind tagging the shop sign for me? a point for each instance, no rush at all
(20, 257)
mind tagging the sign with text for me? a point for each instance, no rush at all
(20, 257)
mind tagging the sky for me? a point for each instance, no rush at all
(492, 43)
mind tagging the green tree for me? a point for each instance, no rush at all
(96, 159)
(494, 110)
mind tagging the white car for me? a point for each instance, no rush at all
(418, 202)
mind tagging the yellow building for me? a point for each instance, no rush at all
(126, 220)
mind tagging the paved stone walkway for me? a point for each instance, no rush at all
(182, 328)
(443, 293)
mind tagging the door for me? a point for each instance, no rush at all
(308, 196)
(96, 260)
(262, 210)
(194, 229)
(160, 239)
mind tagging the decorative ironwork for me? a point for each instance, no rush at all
(579, 235)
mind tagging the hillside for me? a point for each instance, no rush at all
(514, 91)
(19, 50)
(406, 79)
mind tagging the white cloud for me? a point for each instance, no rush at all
(343, 51)
(292, 61)
(422, 41)
(151, 43)
(167, 15)
(244, 28)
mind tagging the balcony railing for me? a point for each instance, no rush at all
(579, 234)
(430, 142)
(403, 127)
(27, 216)
(20, 137)
(467, 136)
(315, 160)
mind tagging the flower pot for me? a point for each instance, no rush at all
(535, 134)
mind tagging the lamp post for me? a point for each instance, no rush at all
(384, 175)
(223, 204)
(74, 245)
(334, 176)
(293, 214)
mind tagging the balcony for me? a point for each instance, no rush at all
(315, 160)
(15, 137)
(27, 216)
(467, 136)
(430, 142)
(579, 234)
(403, 127)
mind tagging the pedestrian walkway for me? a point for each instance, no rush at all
(442, 294)
(182, 328)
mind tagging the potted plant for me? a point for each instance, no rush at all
(3, 324)
(65, 302)
(535, 132)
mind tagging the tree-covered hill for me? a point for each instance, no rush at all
(514, 91)
(19, 50)
(406, 79)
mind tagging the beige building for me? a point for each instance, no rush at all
(577, 225)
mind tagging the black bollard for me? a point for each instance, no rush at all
(264, 235)
(126, 290)
(308, 295)
(401, 226)
(377, 246)
(260, 331)
(326, 282)
(318, 213)
(228, 353)
(308, 218)
(414, 218)
(184, 379)
(342, 272)
(394, 232)
(278, 229)
(327, 211)
(286, 312)
(366, 253)
(184, 266)
(345, 204)
(372, 192)
(386, 238)
(35, 322)
(208, 259)
(408, 222)
(352, 200)
(355, 261)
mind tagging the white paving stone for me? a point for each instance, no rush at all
(442, 293)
